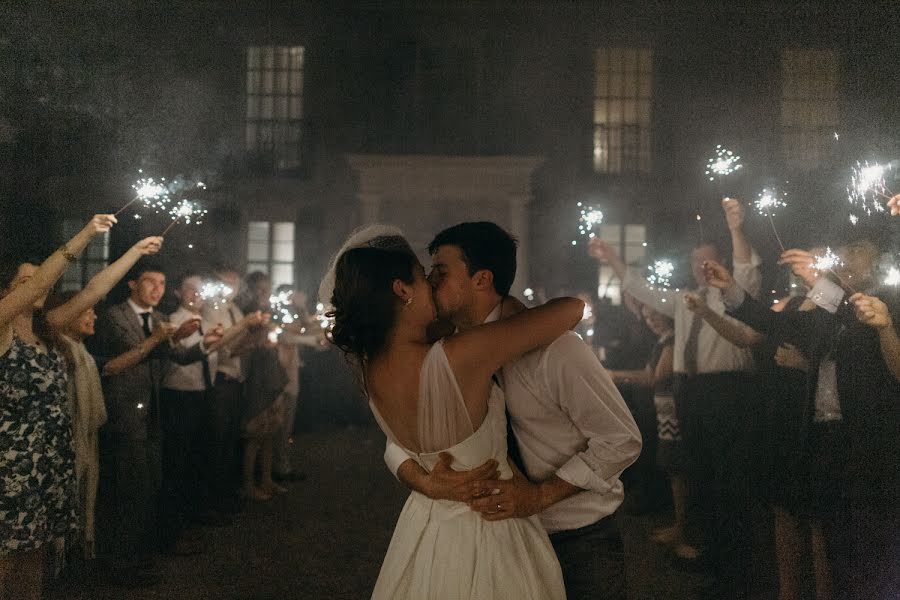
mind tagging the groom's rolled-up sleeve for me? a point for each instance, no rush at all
(577, 381)
(394, 456)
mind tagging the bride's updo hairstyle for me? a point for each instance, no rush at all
(364, 303)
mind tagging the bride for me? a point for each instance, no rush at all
(430, 398)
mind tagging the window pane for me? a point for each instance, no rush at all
(264, 267)
(283, 232)
(282, 274)
(258, 230)
(257, 251)
(283, 252)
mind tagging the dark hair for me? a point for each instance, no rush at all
(45, 332)
(185, 276)
(256, 277)
(144, 267)
(484, 246)
(364, 301)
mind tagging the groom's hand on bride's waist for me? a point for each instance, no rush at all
(499, 499)
(446, 483)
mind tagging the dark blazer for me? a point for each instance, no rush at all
(868, 393)
(132, 395)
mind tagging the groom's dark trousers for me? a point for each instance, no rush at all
(592, 560)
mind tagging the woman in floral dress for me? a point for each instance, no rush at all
(37, 473)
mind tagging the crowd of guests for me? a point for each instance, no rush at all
(120, 434)
(791, 404)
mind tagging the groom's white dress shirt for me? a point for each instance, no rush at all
(569, 420)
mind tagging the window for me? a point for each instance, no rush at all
(809, 106)
(93, 260)
(275, 104)
(630, 243)
(270, 249)
(622, 100)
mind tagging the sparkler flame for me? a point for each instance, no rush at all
(827, 261)
(867, 189)
(588, 219)
(893, 277)
(283, 308)
(725, 162)
(660, 276)
(215, 291)
(769, 201)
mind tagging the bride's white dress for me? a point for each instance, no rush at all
(442, 550)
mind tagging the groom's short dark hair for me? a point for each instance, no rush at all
(484, 245)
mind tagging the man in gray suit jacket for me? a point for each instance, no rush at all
(130, 440)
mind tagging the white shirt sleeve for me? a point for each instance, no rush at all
(394, 456)
(584, 390)
(827, 295)
(662, 301)
(748, 275)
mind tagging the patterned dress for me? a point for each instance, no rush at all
(37, 459)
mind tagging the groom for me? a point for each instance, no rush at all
(570, 427)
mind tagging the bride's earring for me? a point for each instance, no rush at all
(408, 301)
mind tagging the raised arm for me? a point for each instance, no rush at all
(482, 350)
(874, 313)
(102, 282)
(662, 301)
(51, 270)
(746, 261)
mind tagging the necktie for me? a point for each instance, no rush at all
(207, 376)
(512, 445)
(692, 345)
(145, 317)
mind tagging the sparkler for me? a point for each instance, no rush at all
(283, 308)
(216, 292)
(588, 219)
(724, 163)
(892, 277)
(660, 275)
(768, 203)
(189, 211)
(867, 189)
(154, 194)
(829, 261)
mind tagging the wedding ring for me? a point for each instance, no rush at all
(499, 507)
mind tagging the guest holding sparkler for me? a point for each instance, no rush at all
(849, 385)
(37, 458)
(72, 314)
(227, 402)
(266, 382)
(795, 476)
(184, 416)
(712, 387)
(130, 440)
(296, 331)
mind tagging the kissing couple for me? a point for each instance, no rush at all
(535, 522)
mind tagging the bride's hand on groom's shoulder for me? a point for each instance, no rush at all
(446, 483)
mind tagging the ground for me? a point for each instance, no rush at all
(326, 537)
